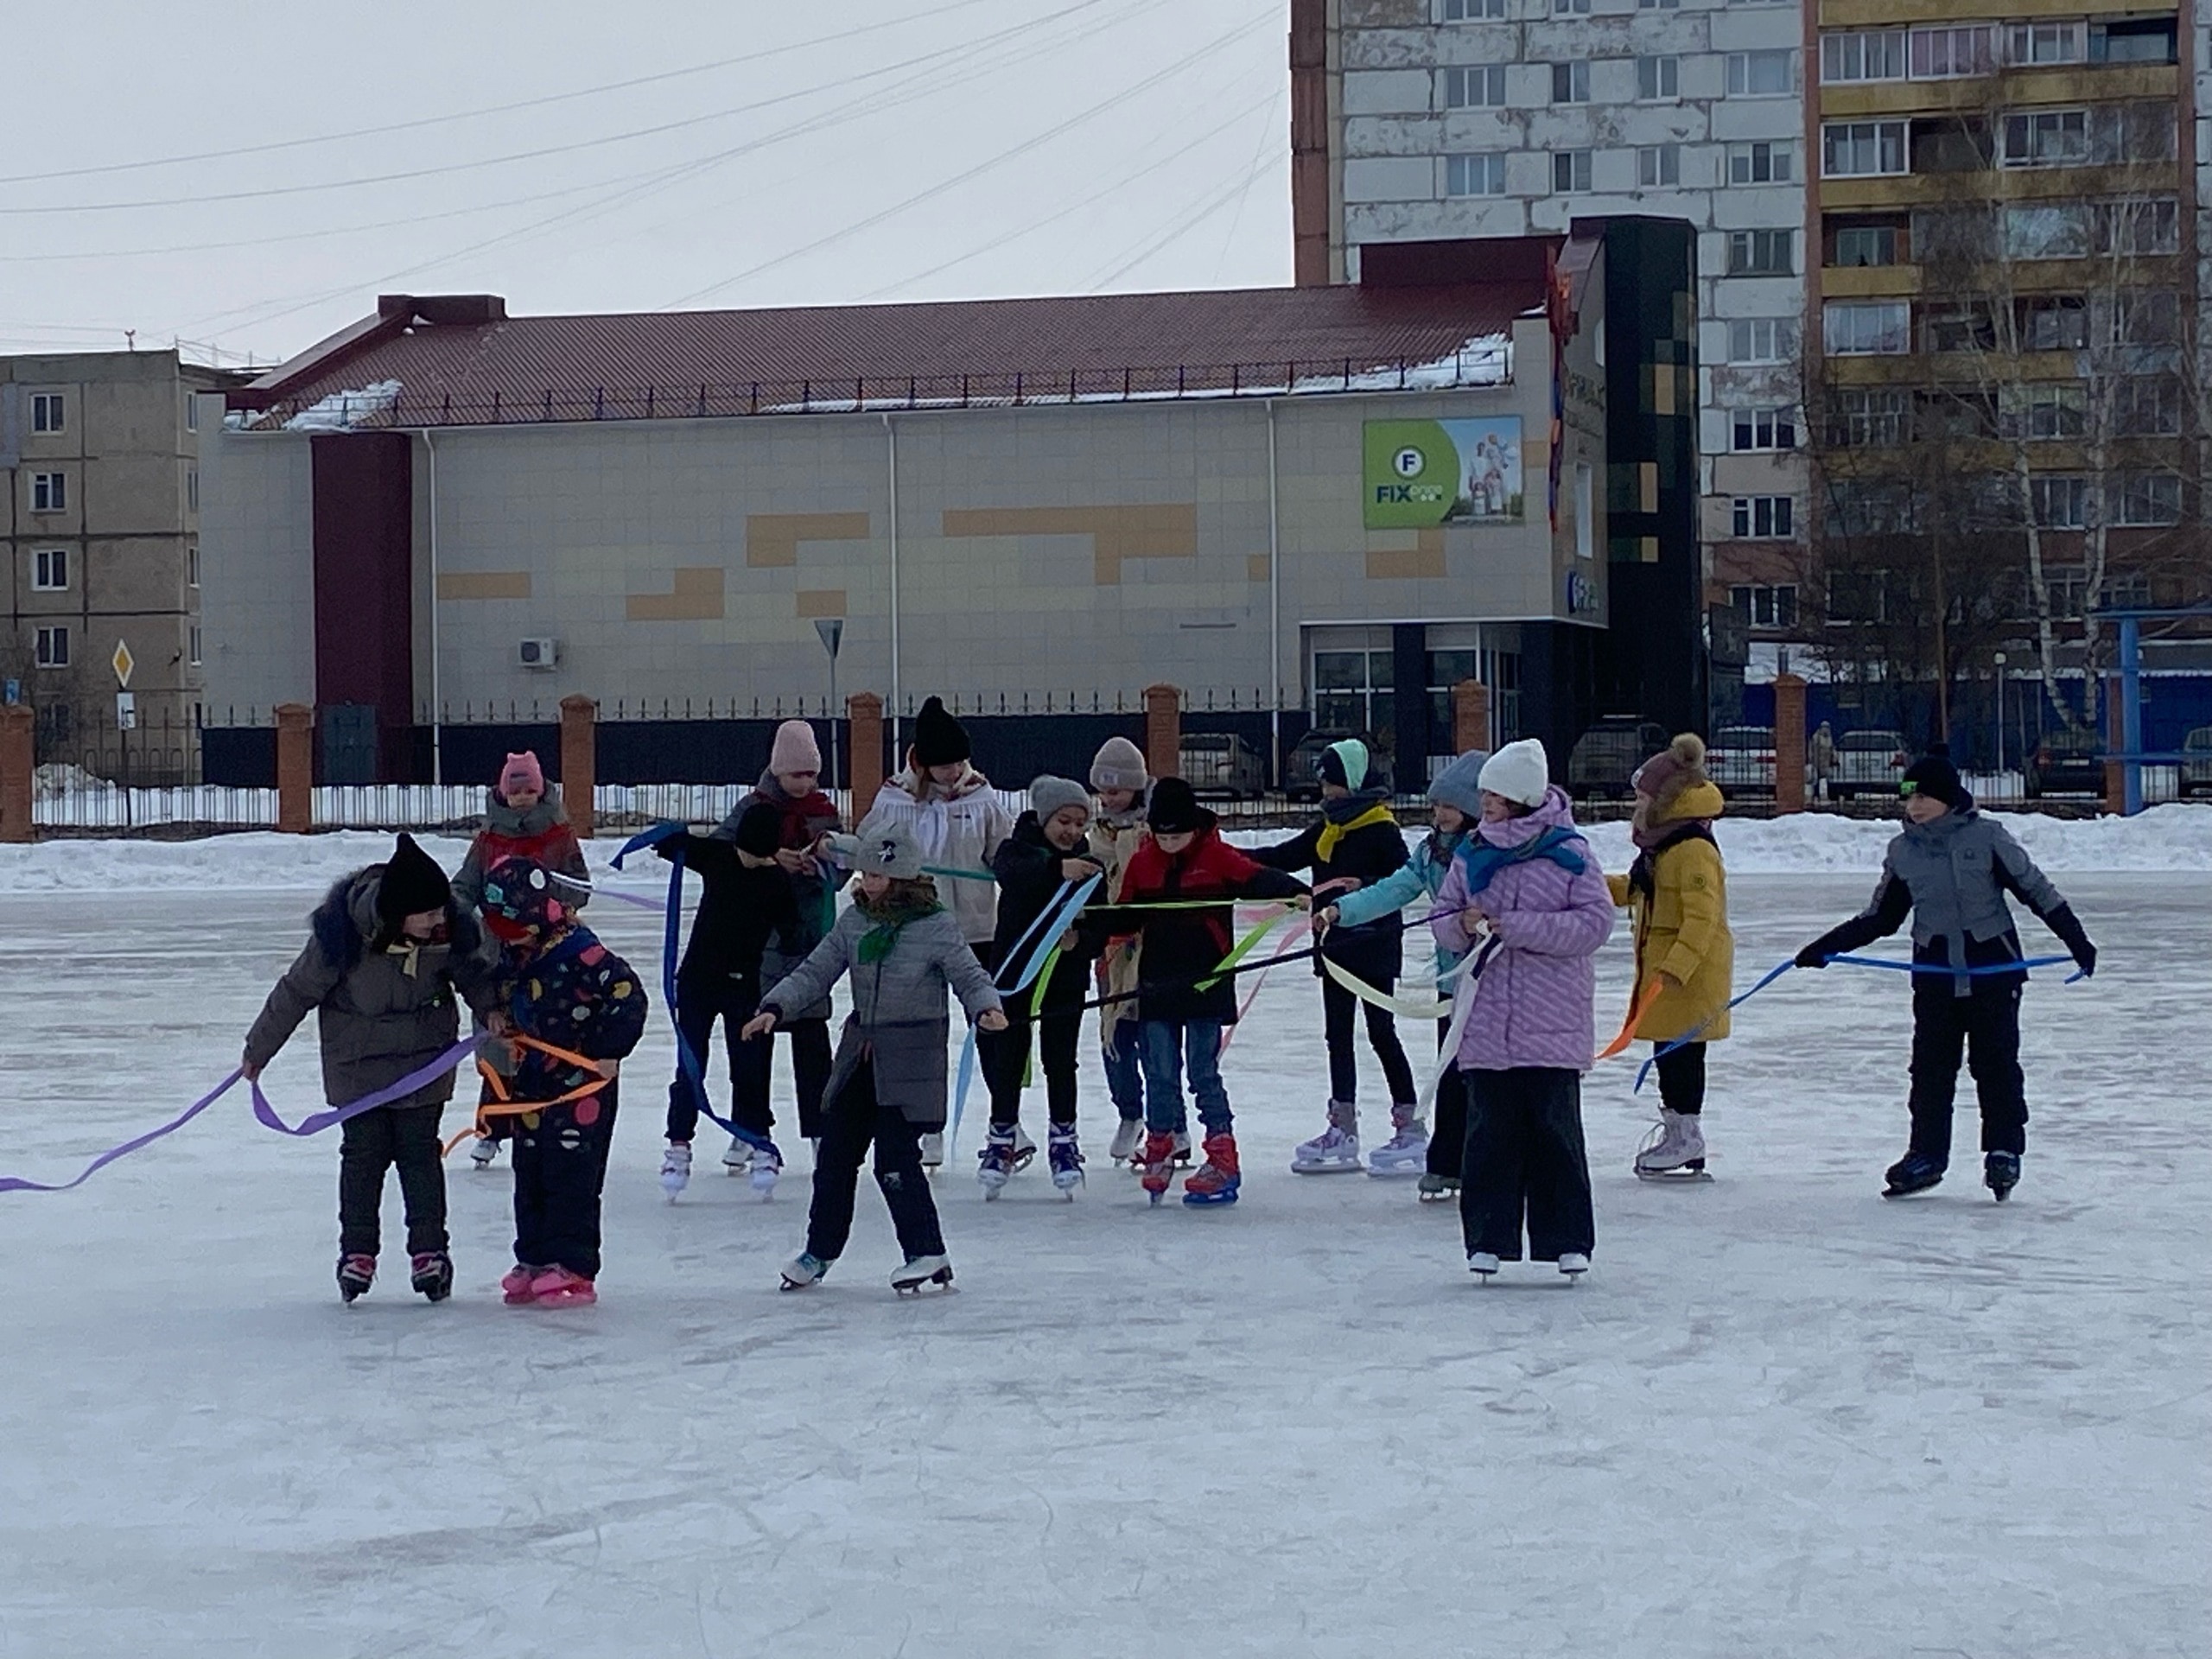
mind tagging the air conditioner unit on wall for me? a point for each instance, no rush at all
(538, 653)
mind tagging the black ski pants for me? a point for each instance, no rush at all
(560, 1172)
(700, 1003)
(1681, 1079)
(1984, 1026)
(406, 1136)
(1525, 1161)
(855, 1120)
(1338, 1008)
(1058, 1033)
(812, 1063)
(1448, 1141)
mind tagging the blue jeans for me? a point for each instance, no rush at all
(1167, 1048)
(1124, 1056)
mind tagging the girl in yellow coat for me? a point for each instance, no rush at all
(1677, 896)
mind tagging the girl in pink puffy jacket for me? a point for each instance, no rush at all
(1526, 890)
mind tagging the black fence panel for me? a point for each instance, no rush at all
(238, 757)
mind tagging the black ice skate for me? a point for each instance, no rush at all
(2000, 1173)
(431, 1275)
(1914, 1172)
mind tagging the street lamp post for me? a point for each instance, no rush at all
(2000, 713)
(832, 629)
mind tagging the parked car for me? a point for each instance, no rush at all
(1869, 763)
(1740, 759)
(2067, 762)
(1301, 767)
(2197, 775)
(1606, 756)
(1222, 764)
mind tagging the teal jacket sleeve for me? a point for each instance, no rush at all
(1408, 884)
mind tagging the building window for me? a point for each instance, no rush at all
(54, 647)
(1762, 164)
(1753, 429)
(1474, 175)
(2048, 411)
(1571, 82)
(1862, 54)
(1659, 166)
(1479, 87)
(2134, 40)
(1862, 150)
(2056, 323)
(1858, 507)
(1353, 690)
(1774, 607)
(192, 488)
(1866, 327)
(1953, 52)
(2054, 230)
(50, 570)
(2149, 224)
(1470, 12)
(1868, 417)
(1763, 517)
(2149, 499)
(1762, 253)
(2148, 318)
(46, 411)
(191, 412)
(2059, 503)
(1657, 78)
(2146, 405)
(1570, 170)
(1763, 74)
(1858, 596)
(194, 658)
(1860, 246)
(1762, 340)
(49, 492)
(2045, 138)
(1570, 8)
(191, 564)
(1657, 5)
(2028, 45)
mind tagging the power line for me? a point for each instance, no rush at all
(1205, 210)
(495, 109)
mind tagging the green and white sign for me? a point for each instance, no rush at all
(1422, 473)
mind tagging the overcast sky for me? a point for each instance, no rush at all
(806, 153)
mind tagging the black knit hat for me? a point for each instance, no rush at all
(1175, 809)
(760, 831)
(412, 882)
(1932, 774)
(939, 739)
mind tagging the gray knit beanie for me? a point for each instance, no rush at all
(1049, 794)
(1119, 765)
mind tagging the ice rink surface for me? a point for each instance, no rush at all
(1782, 1417)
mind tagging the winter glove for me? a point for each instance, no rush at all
(1814, 955)
(2068, 926)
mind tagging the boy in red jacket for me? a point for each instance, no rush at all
(1183, 1018)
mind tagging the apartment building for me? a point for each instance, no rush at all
(99, 459)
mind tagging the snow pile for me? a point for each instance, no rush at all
(344, 409)
(262, 860)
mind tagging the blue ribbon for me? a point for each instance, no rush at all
(687, 1061)
(1060, 914)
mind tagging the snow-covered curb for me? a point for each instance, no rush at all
(2163, 839)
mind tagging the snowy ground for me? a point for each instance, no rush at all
(1782, 1417)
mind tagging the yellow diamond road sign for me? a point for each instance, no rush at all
(123, 662)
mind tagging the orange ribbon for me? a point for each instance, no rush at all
(503, 1106)
(1637, 1009)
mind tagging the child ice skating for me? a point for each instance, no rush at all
(522, 819)
(1526, 879)
(1455, 798)
(747, 905)
(387, 952)
(1676, 894)
(1184, 1016)
(1048, 849)
(956, 820)
(903, 952)
(1355, 844)
(575, 1011)
(1949, 871)
(1118, 776)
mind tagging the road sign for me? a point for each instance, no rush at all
(832, 629)
(123, 662)
(126, 712)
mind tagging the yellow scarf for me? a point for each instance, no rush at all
(1325, 848)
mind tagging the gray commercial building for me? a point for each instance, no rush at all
(1339, 500)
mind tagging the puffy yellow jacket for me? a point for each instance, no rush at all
(1681, 931)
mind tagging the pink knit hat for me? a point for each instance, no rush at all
(522, 772)
(795, 749)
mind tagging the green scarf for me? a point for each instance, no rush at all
(891, 916)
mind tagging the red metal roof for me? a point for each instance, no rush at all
(479, 365)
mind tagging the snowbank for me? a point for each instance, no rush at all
(2165, 838)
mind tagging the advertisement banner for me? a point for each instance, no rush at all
(1422, 473)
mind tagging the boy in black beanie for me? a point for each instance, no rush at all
(1949, 871)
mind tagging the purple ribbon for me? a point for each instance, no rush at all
(263, 1111)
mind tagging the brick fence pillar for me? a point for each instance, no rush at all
(1470, 716)
(580, 763)
(295, 768)
(18, 760)
(1163, 731)
(1788, 743)
(864, 751)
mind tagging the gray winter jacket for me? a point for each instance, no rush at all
(898, 1018)
(381, 1013)
(542, 833)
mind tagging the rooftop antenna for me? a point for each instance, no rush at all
(130, 340)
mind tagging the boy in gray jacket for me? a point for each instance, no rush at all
(904, 951)
(1949, 871)
(386, 951)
